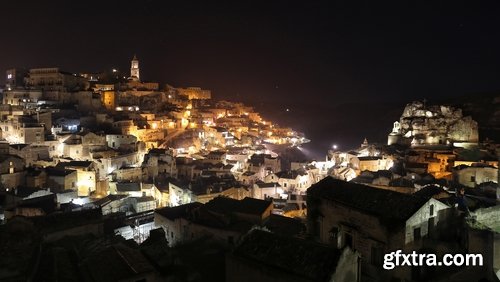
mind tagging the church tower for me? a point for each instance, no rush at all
(134, 69)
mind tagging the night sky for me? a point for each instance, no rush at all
(310, 56)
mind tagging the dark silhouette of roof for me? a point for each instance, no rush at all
(369, 158)
(429, 191)
(385, 204)
(19, 146)
(267, 185)
(67, 220)
(47, 203)
(291, 174)
(128, 187)
(54, 171)
(121, 262)
(173, 213)
(74, 164)
(284, 225)
(248, 205)
(290, 255)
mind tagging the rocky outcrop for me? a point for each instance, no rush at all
(431, 125)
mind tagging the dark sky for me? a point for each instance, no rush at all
(311, 53)
(336, 51)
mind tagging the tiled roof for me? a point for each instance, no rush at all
(254, 206)
(122, 263)
(128, 186)
(179, 211)
(306, 259)
(381, 203)
(284, 225)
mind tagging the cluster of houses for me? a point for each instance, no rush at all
(111, 168)
(126, 145)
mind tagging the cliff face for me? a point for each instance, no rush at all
(429, 125)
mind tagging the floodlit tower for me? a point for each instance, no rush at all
(134, 69)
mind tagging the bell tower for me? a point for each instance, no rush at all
(134, 69)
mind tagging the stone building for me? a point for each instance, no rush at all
(372, 221)
(483, 237)
(54, 79)
(473, 175)
(12, 172)
(224, 219)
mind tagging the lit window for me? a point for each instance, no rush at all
(9, 76)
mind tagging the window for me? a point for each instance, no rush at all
(431, 210)
(348, 240)
(416, 234)
(472, 178)
(430, 226)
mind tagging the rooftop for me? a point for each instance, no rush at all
(385, 204)
(128, 187)
(290, 255)
(247, 205)
(173, 213)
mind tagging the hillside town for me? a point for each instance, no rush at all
(106, 177)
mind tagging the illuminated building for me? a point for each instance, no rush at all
(194, 93)
(109, 99)
(54, 79)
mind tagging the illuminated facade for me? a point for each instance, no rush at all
(109, 99)
(421, 125)
(195, 93)
(54, 79)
